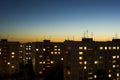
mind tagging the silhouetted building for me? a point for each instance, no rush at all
(9, 57)
(46, 54)
(82, 59)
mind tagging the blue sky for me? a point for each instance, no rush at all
(30, 20)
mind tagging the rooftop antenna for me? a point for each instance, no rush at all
(91, 34)
(116, 36)
(87, 33)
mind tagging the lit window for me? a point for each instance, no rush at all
(26, 48)
(105, 48)
(0, 53)
(37, 49)
(95, 62)
(40, 62)
(114, 61)
(61, 59)
(109, 75)
(55, 49)
(117, 47)
(117, 74)
(95, 76)
(80, 48)
(0, 49)
(40, 72)
(68, 72)
(52, 62)
(21, 45)
(80, 53)
(90, 78)
(114, 57)
(12, 56)
(51, 52)
(80, 58)
(44, 49)
(117, 56)
(40, 56)
(118, 65)
(29, 46)
(8, 63)
(100, 57)
(55, 46)
(85, 67)
(12, 66)
(101, 48)
(80, 62)
(55, 52)
(114, 47)
(43, 62)
(90, 73)
(85, 62)
(58, 49)
(109, 48)
(58, 52)
(113, 66)
(13, 53)
(85, 48)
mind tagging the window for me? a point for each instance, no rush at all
(12, 66)
(61, 59)
(105, 48)
(85, 67)
(109, 75)
(95, 62)
(114, 66)
(114, 57)
(43, 49)
(85, 62)
(37, 49)
(85, 48)
(101, 48)
(13, 53)
(109, 48)
(80, 62)
(51, 62)
(117, 47)
(117, 74)
(114, 47)
(80, 53)
(80, 58)
(117, 56)
(80, 48)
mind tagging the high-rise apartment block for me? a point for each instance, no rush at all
(82, 60)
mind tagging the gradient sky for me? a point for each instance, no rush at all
(35, 20)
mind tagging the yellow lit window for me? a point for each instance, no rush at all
(68, 72)
(58, 52)
(55, 53)
(13, 53)
(95, 62)
(114, 57)
(8, 63)
(52, 62)
(117, 56)
(114, 66)
(43, 62)
(101, 48)
(58, 49)
(61, 59)
(44, 49)
(55, 46)
(117, 74)
(85, 62)
(12, 56)
(51, 52)
(40, 72)
(80, 62)
(114, 47)
(109, 75)
(80, 48)
(85, 67)
(80, 58)
(12, 66)
(95, 76)
(109, 48)
(114, 61)
(37, 49)
(85, 48)
(40, 56)
(91, 78)
(105, 48)
(117, 47)
(40, 62)
(0, 49)
(80, 53)
(55, 49)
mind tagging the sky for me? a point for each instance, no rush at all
(58, 20)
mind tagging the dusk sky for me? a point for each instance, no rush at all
(35, 20)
